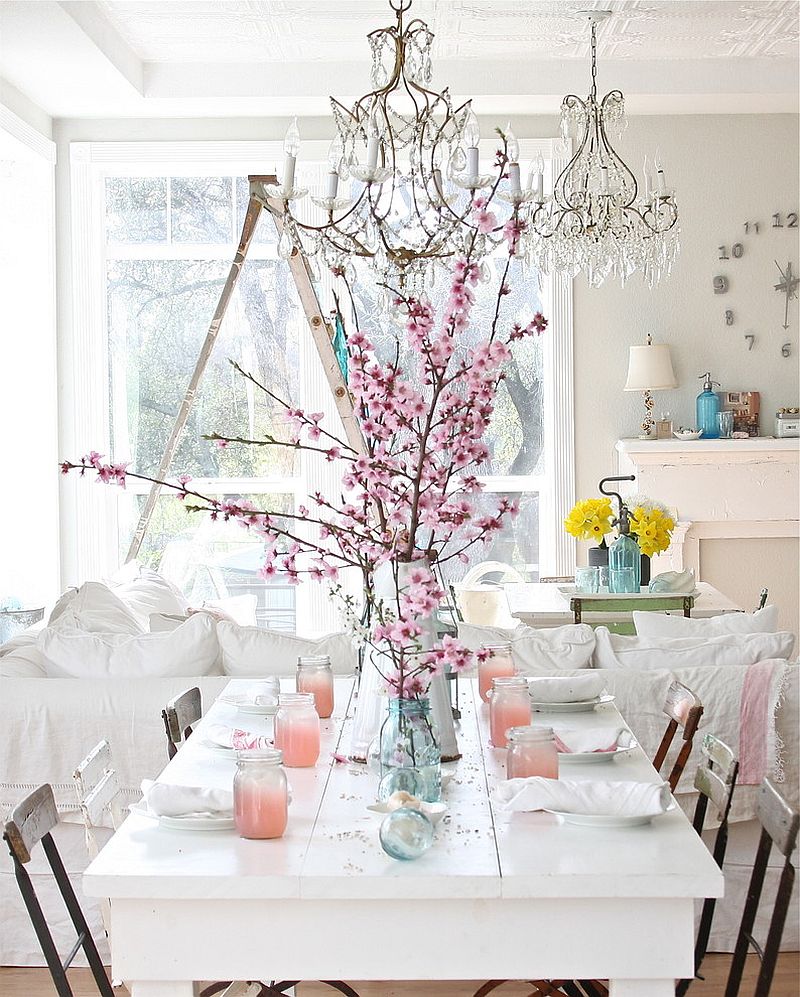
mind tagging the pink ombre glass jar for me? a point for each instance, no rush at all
(531, 751)
(260, 794)
(509, 706)
(296, 731)
(314, 675)
(499, 663)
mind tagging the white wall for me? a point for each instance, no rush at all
(29, 548)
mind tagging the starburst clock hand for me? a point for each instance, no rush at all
(787, 286)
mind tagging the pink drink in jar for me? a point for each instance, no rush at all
(314, 675)
(260, 794)
(497, 664)
(531, 751)
(297, 730)
(509, 706)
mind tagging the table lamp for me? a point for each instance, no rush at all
(649, 369)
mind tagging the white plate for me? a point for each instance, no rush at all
(607, 820)
(244, 705)
(195, 823)
(433, 811)
(593, 757)
(218, 749)
(581, 706)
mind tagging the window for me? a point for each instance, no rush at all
(155, 229)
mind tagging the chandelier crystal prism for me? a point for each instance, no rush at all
(413, 166)
(598, 218)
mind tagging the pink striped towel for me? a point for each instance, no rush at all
(761, 694)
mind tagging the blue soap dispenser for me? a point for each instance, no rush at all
(708, 408)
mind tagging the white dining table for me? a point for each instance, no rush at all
(498, 895)
(547, 604)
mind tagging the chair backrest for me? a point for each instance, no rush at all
(31, 822)
(178, 715)
(779, 828)
(684, 710)
(715, 781)
(98, 790)
(479, 572)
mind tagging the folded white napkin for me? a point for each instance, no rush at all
(165, 800)
(565, 689)
(233, 737)
(588, 739)
(600, 798)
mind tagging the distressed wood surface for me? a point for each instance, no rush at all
(30, 821)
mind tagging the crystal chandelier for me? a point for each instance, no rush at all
(598, 219)
(413, 165)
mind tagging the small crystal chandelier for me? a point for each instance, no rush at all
(414, 160)
(598, 219)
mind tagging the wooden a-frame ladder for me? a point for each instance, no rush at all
(320, 331)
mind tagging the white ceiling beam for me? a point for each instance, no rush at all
(109, 42)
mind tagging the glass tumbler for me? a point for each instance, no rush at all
(314, 675)
(587, 579)
(260, 794)
(498, 662)
(725, 423)
(296, 731)
(531, 751)
(509, 706)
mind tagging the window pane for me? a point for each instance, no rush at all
(266, 234)
(158, 316)
(516, 544)
(211, 560)
(202, 209)
(136, 209)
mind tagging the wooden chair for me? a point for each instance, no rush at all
(779, 827)
(684, 710)
(31, 822)
(178, 715)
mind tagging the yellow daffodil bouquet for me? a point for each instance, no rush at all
(651, 524)
(590, 519)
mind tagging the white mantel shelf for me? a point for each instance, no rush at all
(758, 444)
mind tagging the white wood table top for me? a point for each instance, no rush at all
(542, 604)
(329, 870)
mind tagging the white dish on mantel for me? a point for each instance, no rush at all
(608, 820)
(688, 434)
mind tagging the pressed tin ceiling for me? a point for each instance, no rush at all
(332, 30)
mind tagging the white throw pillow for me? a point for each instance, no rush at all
(150, 593)
(163, 623)
(190, 650)
(763, 621)
(23, 662)
(618, 651)
(94, 608)
(253, 652)
(537, 651)
(239, 609)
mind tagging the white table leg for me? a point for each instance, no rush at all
(642, 988)
(159, 988)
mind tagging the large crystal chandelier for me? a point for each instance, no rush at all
(411, 162)
(598, 218)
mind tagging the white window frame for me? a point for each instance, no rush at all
(90, 550)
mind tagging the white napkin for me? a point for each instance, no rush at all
(565, 689)
(588, 739)
(233, 737)
(599, 798)
(165, 800)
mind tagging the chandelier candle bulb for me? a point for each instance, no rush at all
(604, 179)
(514, 178)
(509, 706)
(291, 146)
(373, 143)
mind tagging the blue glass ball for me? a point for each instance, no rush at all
(406, 834)
(399, 780)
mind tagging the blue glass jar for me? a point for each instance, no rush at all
(409, 752)
(624, 559)
(708, 408)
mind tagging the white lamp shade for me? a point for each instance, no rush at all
(650, 368)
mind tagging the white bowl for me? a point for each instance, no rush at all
(688, 434)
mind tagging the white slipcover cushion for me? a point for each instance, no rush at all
(537, 651)
(149, 593)
(763, 621)
(21, 658)
(251, 651)
(619, 651)
(94, 608)
(190, 650)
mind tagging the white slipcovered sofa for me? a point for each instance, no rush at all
(105, 663)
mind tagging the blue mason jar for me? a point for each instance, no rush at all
(409, 752)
